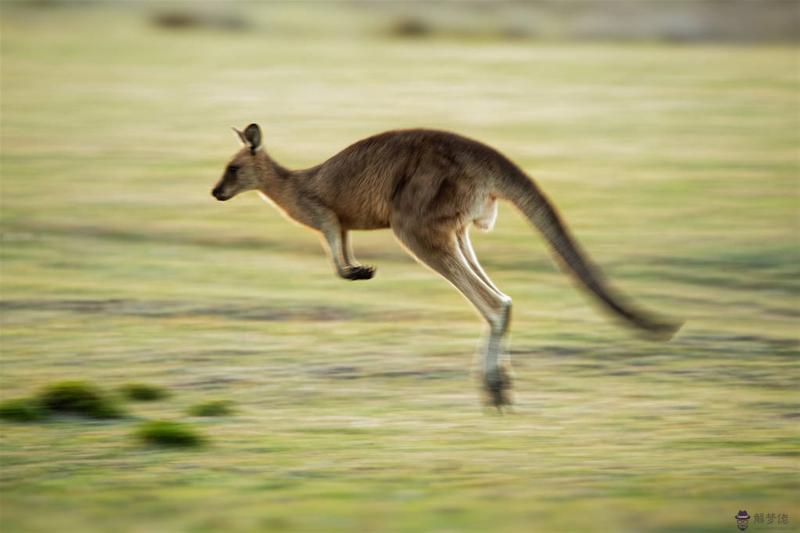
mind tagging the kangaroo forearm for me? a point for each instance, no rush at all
(336, 242)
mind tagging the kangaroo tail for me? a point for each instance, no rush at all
(527, 197)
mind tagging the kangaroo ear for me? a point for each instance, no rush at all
(240, 134)
(252, 135)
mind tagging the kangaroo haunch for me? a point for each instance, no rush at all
(427, 186)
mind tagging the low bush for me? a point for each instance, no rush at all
(214, 408)
(22, 410)
(167, 433)
(79, 398)
(143, 392)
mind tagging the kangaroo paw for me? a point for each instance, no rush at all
(359, 272)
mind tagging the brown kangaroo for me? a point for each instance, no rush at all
(427, 186)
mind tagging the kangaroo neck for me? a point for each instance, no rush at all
(282, 186)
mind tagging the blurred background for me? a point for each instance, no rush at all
(667, 132)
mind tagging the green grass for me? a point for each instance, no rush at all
(167, 433)
(676, 167)
(143, 392)
(212, 408)
(23, 410)
(79, 398)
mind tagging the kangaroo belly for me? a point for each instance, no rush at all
(364, 223)
(362, 211)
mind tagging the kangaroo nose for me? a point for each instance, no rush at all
(217, 193)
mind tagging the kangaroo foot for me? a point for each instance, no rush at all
(359, 272)
(497, 389)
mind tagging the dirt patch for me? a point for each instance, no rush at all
(337, 372)
(754, 270)
(426, 374)
(214, 382)
(352, 372)
(180, 309)
(740, 344)
(184, 19)
(37, 232)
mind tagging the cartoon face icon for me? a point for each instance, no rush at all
(742, 520)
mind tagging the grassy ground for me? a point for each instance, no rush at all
(355, 408)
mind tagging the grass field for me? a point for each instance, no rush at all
(354, 404)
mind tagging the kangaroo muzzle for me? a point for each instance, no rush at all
(219, 194)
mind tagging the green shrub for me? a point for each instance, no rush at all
(143, 392)
(22, 410)
(214, 408)
(166, 433)
(79, 398)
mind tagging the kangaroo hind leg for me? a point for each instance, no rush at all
(439, 250)
(465, 244)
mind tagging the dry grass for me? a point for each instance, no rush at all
(356, 411)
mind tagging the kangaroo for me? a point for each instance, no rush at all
(428, 186)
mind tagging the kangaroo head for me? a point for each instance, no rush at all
(248, 169)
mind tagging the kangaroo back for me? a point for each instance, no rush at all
(527, 197)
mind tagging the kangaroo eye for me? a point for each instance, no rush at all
(233, 169)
